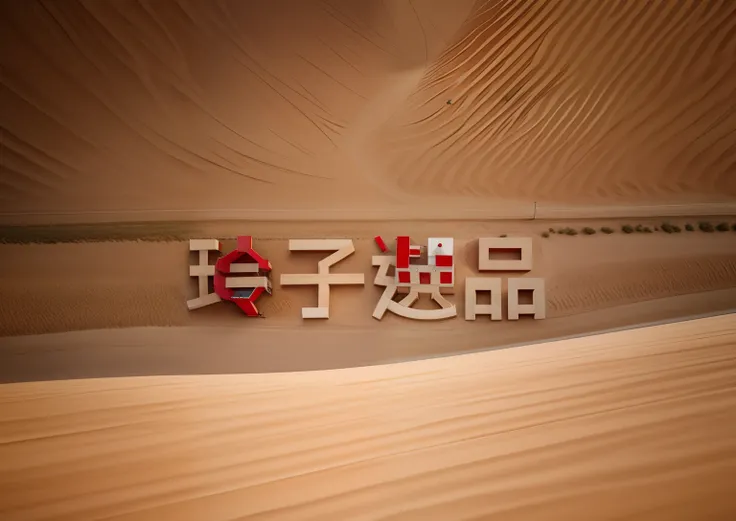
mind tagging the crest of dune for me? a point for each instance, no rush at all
(188, 104)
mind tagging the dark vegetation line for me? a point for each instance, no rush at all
(99, 232)
(666, 227)
(183, 231)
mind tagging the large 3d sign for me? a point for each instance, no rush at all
(417, 270)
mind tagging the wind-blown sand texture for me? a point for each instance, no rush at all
(630, 425)
(303, 105)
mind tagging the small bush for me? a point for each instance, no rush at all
(668, 228)
(551, 230)
(676, 228)
(627, 228)
(588, 231)
(723, 227)
(561, 230)
(689, 227)
(503, 235)
(706, 227)
(647, 229)
(733, 227)
(639, 228)
(607, 230)
(545, 235)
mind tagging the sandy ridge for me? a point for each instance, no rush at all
(493, 211)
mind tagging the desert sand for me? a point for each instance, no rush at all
(127, 128)
(629, 425)
(414, 106)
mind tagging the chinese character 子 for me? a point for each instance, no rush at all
(243, 290)
(436, 273)
(323, 279)
(505, 254)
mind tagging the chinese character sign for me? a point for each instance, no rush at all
(486, 249)
(242, 276)
(242, 290)
(323, 279)
(437, 272)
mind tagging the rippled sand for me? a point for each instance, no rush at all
(629, 425)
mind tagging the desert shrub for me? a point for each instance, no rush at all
(551, 230)
(689, 227)
(503, 235)
(706, 227)
(656, 228)
(668, 228)
(647, 229)
(588, 230)
(639, 228)
(723, 227)
(733, 227)
(571, 231)
(627, 228)
(607, 230)
(676, 228)
(545, 234)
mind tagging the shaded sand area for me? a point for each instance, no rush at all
(594, 283)
(637, 425)
(303, 105)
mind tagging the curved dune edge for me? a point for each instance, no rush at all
(491, 211)
(563, 430)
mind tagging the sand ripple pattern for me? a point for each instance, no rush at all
(614, 285)
(560, 100)
(636, 425)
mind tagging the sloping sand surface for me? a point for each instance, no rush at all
(302, 105)
(558, 100)
(630, 425)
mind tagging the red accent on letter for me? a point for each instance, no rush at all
(381, 244)
(444, 261)
(402, 252)
(222, 270)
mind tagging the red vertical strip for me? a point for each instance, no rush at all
(402, 252)
(245, 243)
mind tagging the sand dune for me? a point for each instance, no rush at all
(560, 101)
(631, 425)
(300, 105)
